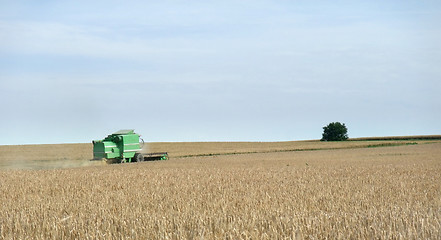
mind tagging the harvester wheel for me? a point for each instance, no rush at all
(138, 157)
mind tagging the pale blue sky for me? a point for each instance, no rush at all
(73, 71)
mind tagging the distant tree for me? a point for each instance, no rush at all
(335, 131)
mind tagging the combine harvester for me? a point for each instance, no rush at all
(124, 146)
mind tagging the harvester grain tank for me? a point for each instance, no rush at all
(124, 146)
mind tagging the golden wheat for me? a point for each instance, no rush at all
(373, 193)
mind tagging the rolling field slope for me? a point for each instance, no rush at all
(50, 156)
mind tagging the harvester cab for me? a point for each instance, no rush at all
(124, 146)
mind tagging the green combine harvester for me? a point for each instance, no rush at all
(124, 146)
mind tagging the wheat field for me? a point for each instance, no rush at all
(289, 190)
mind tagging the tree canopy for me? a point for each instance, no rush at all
(335, 131)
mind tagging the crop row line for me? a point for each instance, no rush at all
(298, 150)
